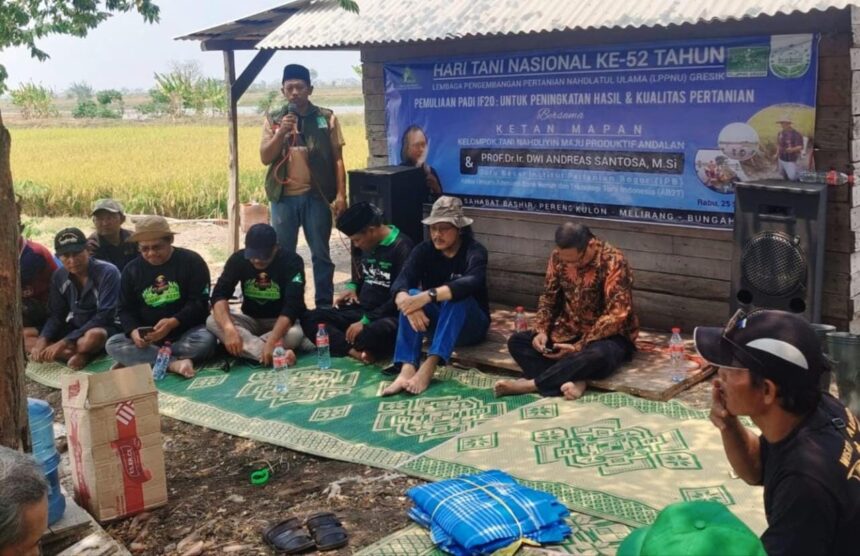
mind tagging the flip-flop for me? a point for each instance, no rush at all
(288, 537)
(327, 531)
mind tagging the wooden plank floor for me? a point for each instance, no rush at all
(648, 375)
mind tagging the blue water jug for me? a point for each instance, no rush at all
(45, 452)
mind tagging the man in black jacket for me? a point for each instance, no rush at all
(363, 323)
(273, 299)
(164, 296)
(441, 292)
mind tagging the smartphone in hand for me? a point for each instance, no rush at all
(144, 330)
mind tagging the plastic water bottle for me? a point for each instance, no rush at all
(282, 369)
(323, 353)
(676, 355)
(159, 370)
(42, 438)
(521, 322)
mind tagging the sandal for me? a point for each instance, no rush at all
(327, 531)
(288, 537)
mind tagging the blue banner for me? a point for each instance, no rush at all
(657, 132)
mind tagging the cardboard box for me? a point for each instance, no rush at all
(114, 433)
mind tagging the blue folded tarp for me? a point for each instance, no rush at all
(485, 512)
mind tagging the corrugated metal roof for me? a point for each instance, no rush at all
(250, 28)
(322, 24)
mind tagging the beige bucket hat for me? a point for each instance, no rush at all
(151, 227)
(448, 209)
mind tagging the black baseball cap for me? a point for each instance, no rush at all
(69, 240)
(259, 240)
(778, 345)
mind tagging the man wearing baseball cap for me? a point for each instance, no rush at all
(164, 296)
(111, 242)
(82, 304)
(807, 454)
(273, 299)
(363, 322)
(441, 293)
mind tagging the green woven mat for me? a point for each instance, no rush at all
(609, 455)
(592, 536)
(335, 413)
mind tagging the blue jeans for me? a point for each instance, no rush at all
(452, 323)
(196, 344)
(313, 214)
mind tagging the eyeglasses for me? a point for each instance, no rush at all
(739, 320)
(152, 248)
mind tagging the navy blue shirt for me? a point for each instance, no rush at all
(465, 273)
(74, 312)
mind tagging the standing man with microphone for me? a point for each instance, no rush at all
(302, 145)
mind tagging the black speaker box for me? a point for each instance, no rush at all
(778, 256)
(400, 191)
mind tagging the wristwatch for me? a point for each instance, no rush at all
(432, 293)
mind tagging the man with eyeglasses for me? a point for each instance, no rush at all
(82, 304)
(111, 242)
(273, 299)
(441, 293)
(806, 454)
(164, 297)
(585, 328)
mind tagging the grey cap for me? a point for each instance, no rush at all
(448, 209)
(107, 204)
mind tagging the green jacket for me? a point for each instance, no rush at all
(317, 136)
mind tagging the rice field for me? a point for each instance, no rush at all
(173, 170)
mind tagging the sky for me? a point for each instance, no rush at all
(125, 52)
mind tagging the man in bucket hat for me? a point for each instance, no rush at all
(164, 297)
(789, 145)
(441, 292)
(82, 304)
(273, 299)
(111, 242)
(807, 454)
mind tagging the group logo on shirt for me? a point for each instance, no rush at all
(261, 289)
(161, 292)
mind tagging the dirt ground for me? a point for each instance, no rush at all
(213, 508)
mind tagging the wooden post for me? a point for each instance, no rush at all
(233, 147)
(14, 430)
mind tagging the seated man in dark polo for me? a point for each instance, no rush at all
(111, 242)
(442, 293)
(807, 453)
(273, 299)
(82, 304)
(164, 296)
(585, 325)
(363, 323)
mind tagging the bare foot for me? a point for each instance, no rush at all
(399, 384)
(367, 358)
(573, 390)
(513, 387)
(182, 367)
(291, 357)
(421, 380)
(78, 361)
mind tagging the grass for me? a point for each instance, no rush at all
(175, 170)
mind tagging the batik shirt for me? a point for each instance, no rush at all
(596, 300)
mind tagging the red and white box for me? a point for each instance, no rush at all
(114, 434)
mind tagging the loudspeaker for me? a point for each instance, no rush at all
(400, 191)
(778, 256)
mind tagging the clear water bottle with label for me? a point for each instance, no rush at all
(323, 353)
(521, 321)
(676, 355)
(282, 369)
(159, 370)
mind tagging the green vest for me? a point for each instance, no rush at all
(317, 136)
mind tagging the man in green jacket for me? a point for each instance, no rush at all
(303, 146)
